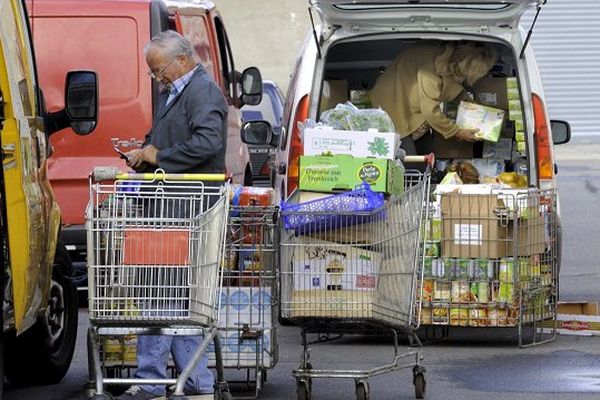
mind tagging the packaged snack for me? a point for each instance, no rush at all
(487, 119)
(442, 291)
(459, 316)
(506, 270)
(461, 292)
(440, 315)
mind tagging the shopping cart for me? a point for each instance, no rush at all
(155, 247)
(356, 272)
(247, 321)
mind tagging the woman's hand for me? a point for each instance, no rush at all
(467, 135)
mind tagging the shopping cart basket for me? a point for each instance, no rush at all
(360, 276)
(155, 247)
(247, 321)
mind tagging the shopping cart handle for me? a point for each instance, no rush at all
(428, 159)
(113, 173)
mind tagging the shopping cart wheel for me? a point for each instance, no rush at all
(104, 396)
(222, 395)
(303, 390)
(420, 385)
(362, 390)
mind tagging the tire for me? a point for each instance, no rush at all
(362, 390)
(420, 385)
(42, 355)
(303, 390)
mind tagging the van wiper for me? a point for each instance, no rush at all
(530, 32)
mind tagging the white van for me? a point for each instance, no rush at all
(358, 39)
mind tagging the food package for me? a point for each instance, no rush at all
(440, 315)
(433, 249)
(451, 178)
(478, 317)
(427, 290)
(426, 316)
(434, 267)
(254, 196)
(506, 270)
(442, 291)
(461, 292)
(487, 119)
(459, 268)
(482, 269)
(348, 117)
(459, 316)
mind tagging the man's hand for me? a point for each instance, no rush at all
(140, 157)
(467, 135)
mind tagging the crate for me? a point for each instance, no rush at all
(333, 211)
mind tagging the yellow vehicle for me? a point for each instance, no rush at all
(39, 297)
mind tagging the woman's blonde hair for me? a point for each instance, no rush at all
(472, 60)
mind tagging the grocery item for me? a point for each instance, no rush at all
(343, 172)
(461, 292)
(427, 290)
(442, 290)
(348, 117)
(506, 270)
(487, 119)
(459, 316)
(440, 315)
(467, 173)
(322, 140)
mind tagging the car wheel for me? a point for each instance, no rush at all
(42, 355)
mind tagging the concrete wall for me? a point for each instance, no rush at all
(266, 34)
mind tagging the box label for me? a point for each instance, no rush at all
(468, 234)
(370, 173)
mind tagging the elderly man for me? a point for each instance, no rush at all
(188, 135)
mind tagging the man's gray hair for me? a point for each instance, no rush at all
(171, 41)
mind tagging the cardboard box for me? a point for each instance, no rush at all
(471, 228)
(156, 247)
(318, 141)
(343, 172)
(320, 265)
(576, 318)
(488, 120)
(332, 304)
(492, 92)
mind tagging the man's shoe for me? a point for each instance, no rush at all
(137, 393)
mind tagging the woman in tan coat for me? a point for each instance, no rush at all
(425, 75)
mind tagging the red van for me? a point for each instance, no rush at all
(108, 36)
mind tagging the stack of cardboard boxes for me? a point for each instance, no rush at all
(334, 266)
(481, 253)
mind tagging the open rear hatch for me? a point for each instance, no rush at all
(395, 13)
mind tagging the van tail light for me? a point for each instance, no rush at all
(545, 166)
(296, 148)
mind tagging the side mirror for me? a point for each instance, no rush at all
(257, 133)
(561, 131)
(251, 86)
(81, 101)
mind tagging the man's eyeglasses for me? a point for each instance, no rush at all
(159, 74)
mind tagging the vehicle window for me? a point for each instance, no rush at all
(195, 29)
(23, 67)
(228, 69)
(265, 108)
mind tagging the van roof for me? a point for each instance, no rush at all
(190, 4)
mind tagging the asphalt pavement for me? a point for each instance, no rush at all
(470, 363)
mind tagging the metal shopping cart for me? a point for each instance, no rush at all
(155, 247)
(247, 324)
(356, 270)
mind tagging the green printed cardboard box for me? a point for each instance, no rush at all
(343, 172)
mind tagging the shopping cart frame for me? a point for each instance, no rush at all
(414, 181)
(117, 325)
